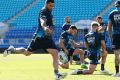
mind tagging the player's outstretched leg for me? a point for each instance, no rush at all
(12, 49)
(9, 50)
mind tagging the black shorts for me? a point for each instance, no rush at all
(41, 43)
(71, 51)
(93, 57)
(76, 57)
(104, 37)
(116, 41)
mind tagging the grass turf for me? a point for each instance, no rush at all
(39, 67)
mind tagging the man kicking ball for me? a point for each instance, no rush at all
(43, 37)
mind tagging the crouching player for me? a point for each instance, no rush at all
(68, 45)
(94, 41)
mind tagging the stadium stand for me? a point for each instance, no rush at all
(105, 16)
(10, 7)
(27, 22)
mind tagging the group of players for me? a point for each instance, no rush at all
(94, 41)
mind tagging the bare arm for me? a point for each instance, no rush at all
(100, 30)
(86, 44)
(62, 46)
(109, 29)
(43, 22)
(75, 44)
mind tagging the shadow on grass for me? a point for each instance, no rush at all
(106, 74)
(79, 69)
(75, 69)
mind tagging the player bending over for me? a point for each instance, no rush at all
(68, 45)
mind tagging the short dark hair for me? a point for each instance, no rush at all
(99, 17)
(48, 1)
(73, 27)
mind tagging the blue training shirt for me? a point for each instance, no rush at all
(114, 18)
(65, 27)
(67, 38)
(46, 15)
(94, 42)
(104, 26)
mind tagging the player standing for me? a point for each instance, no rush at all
(67, 24)
(114, 23)
(102, 30)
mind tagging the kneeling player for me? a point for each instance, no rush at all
(93, 42)
(67, 44)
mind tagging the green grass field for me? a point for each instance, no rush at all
(39, 67)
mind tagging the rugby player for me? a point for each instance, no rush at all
(93, 42)
(114, 33)
(69, 46)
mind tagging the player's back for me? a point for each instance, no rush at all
(114, 17)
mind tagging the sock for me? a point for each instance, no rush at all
(102, 66)
(117, 69)
(80, 72)
(56, 71)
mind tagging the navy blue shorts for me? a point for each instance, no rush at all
(41, 43)
(94, 57)
(116, 41)
(71, 51)
(76, 57)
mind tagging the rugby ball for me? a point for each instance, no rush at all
(63, 58)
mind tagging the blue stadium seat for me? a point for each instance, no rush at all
(27, 22)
